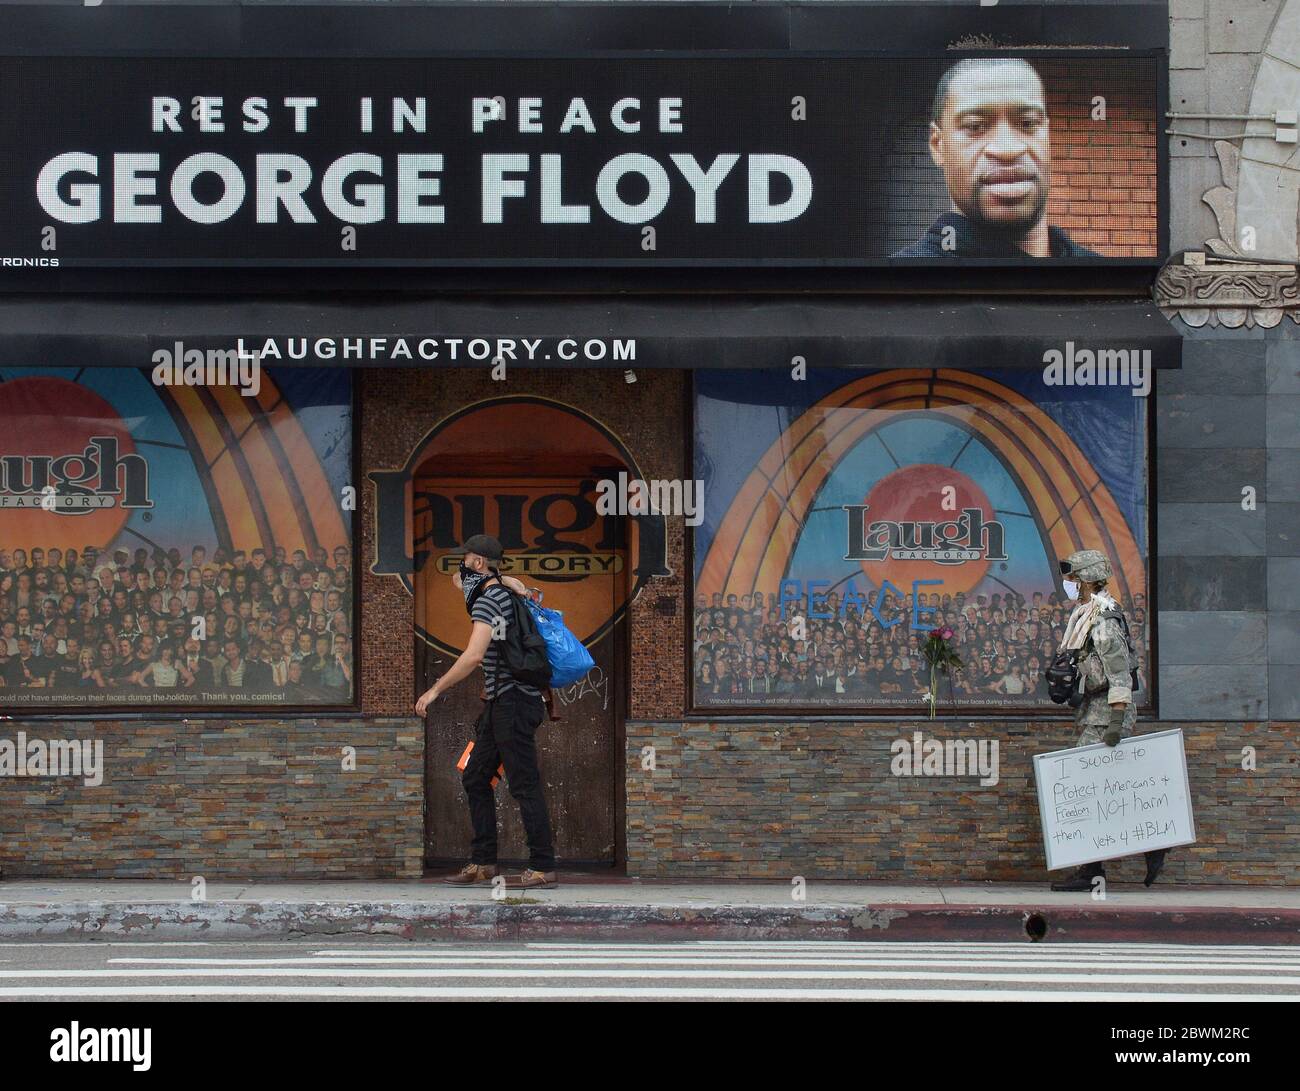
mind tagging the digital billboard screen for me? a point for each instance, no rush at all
(1009, 158)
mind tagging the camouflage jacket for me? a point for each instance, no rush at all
(1104, 676)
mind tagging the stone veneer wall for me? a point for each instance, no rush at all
(772, 800)
(222, 799)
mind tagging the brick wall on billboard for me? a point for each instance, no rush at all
(222, 799)
(1103, 183)
(776, 799)
(400, 406)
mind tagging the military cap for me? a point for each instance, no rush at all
(1088, 565)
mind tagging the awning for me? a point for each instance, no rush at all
(663, 331)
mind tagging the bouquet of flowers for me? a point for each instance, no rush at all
(941, 657)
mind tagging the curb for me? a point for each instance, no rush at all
(232, 920)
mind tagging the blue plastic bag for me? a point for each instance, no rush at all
(570, 660)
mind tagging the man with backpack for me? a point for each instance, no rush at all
(1097, 634)
(504, 640)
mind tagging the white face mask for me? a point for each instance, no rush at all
(1071, 590)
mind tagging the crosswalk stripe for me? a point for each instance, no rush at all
(1033, 954)
(690, 960)
(1027, 952)
(643, 974)
(615, 993)
(379, 968)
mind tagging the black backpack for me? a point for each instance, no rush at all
(523, 652)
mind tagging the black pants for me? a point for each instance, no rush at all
(506, 736)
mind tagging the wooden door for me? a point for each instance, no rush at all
(581, 569)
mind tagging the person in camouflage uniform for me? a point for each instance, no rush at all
(1108, 711)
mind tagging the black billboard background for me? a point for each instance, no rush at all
(865, 122)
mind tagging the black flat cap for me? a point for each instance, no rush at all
(482, 544)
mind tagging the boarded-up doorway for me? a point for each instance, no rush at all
(555, 541)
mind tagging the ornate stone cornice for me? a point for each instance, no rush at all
(1203, 290)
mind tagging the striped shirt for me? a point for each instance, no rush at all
(492, 605)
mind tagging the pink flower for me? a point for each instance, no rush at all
(946, 634)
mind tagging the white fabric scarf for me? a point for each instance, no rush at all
(1082, 619)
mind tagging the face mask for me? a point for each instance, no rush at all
(1071, 590)
(469, 579)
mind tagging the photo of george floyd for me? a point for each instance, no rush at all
(1022, 158)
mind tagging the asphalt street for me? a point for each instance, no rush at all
(698, 970)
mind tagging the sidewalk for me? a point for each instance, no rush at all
(587, 907)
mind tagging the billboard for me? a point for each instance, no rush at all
(863, 510)
(582, 160)
(180, 545)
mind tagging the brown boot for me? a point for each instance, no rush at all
(531, 878)
(472, 874)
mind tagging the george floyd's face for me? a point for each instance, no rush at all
(993, 147)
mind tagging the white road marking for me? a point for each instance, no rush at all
(521, 958)
(667, 974)
(543, 993)
(683, 970)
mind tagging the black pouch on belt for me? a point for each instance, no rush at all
(1062, 676)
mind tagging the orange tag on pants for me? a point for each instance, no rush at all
(464, 761)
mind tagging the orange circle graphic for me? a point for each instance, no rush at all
(919, 494)
(52, 417)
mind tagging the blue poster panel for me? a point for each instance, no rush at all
(849, 514)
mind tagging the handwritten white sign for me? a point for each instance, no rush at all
(1101, 802)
